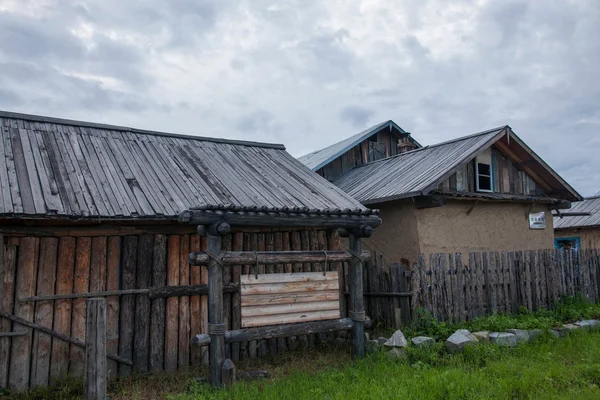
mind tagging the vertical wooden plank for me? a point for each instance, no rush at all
(481, 307)
(450, 299)
(95, 350)
(433, 265)
(113, 264)
(204, 304)
(270, 269)
(8, 268)
(80, 285)
(512, 271)
(227, 244)
(472, 302)
(98, 264)
(460, 286)
(143, 276)
(44, 312)
(236, 299)
(183, 359)
(527, 278)
(158, 308)
(18, 377)
(395, 276)
(172, 318)
(404, 301)
(506, 282)
(416, 288)
(62, 308)
(494, 281)
(253, 269)
(279, 268)
(261, 246)
(195, 325)
(485, 265)
(127, 306)
(543, 278)
(424, 283)
(519, 265)
(535, 266)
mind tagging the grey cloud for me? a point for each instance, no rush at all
(357, 115)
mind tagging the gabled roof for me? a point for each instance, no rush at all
(420, 171)
(75, 169)
(318, 159)
(589, 204)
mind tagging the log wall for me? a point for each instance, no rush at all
(153, 333)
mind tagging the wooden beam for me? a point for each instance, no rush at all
(95, 351)
(276, 257)
(279, 219)
(429, 201)
(216, 323)
(66, 338)
(507, 151)
(278, 331)
(357, 307)
(153, 293)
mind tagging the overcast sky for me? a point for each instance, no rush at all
(310, 73)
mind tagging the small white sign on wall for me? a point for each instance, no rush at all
(537, 220)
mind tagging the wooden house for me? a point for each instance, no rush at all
(91, 209)
(484, 192)
(579, 228)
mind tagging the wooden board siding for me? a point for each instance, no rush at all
(360, 154)
(287, 298)
(154, 334)
(508, 178)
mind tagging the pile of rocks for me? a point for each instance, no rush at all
(462, 338)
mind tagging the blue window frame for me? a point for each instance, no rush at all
(573, 242)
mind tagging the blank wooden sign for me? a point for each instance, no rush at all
(275, 299)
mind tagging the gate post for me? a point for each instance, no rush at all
(216, 324)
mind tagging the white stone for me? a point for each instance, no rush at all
(503, 339)
(589, 324)
(482, 336)
(571, 327)
(459, 341)
(534, 333)
(467, 334)
(521, 334)
(397, 340)
(422, 341)
(381, 340)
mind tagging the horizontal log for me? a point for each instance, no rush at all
(265, 279)
(277, 309)
(277, 298)
(290, 287)
(153, 293)
(276, 257)
(290, 318)
(12, 334)
(278, 219)
(271, 332)
(386, 294)
(58, 335)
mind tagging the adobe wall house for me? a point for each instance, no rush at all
(475, 193)
(580, 231)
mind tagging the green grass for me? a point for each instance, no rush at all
(568, 310)
(548, 368)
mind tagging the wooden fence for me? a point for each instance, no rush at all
(153, 332)
(456, 288)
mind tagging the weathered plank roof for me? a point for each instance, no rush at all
(320, 158)
(84, 170)
(413, 173)
(589, 204)
(420, 171)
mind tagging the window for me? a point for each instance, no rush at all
(484, 177)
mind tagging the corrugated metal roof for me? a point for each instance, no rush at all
(415, 172)
(320, 158)
(79, 169)
(591, 205)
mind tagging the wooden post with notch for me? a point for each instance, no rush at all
(95, 350)
(216, 323)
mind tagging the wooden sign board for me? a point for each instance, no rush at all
(274, 299)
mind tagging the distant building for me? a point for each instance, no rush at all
(580, 232)
(484, 192)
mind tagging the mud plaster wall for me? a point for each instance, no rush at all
(397, 237)
(589, 238)
(489, 227)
